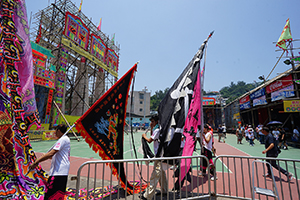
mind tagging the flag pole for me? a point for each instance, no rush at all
(65, 120)
(201, 91)
(277, 61)
(131, 108)
(55, 143)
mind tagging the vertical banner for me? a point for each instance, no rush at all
(60, 84)
(17, 106)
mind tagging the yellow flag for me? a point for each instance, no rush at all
(285, 36)
(79, 10)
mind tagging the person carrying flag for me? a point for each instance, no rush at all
(158, 174)
(60, 165)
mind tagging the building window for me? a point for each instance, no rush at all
(141, 102)
(141, 95)
(141, 109)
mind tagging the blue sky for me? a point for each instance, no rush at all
(164, 35)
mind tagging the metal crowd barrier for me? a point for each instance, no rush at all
(236, 177)
(95, 175)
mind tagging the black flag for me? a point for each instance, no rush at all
(174, 107)
(102, 126)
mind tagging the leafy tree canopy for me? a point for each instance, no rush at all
(156, 99)
(233, 91)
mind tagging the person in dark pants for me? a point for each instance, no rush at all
(272, 151)
(60, 165)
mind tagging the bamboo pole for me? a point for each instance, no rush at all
(65, 120)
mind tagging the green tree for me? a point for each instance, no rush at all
(235, 90)
(156, 99)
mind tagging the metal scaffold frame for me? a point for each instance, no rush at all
(85, 80)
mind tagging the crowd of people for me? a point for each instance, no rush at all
(250, 134)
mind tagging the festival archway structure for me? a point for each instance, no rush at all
(84, 63)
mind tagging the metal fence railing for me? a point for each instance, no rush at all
(235, 177)
(93, 175)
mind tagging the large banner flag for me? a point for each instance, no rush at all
(174, 107)
(285, 36)
(190, 128)
(17, 106)
(102, 125)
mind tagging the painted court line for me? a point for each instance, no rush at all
(225, 166)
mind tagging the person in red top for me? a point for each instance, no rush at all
(213, 141)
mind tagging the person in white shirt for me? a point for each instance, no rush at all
(296, 135)
(276, 134)
(224, 130)
(251, 136)
(158, 174)
(60, 165)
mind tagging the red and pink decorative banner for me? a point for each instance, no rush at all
(208, 101)
(112, 60)
(76, 30)
(98, 47)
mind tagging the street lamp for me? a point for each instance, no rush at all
(262, 77)
(287, 62)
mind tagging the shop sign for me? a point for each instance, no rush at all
(208, 101)
(257, 94)
(245, 106)
(244, 99)
(283, 93)
(236, 116)
(291, 106)
(279, 84)
(260, 101)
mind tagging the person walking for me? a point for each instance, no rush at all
(158, 174)
(60, 164)
(282, 139)
(260, 134)
(224, 130)
(220, 133)
(239, 134)
(276, 134)
(207, 151)
(251, 136)
(271, 151)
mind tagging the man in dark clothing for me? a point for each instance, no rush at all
(272, 151)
